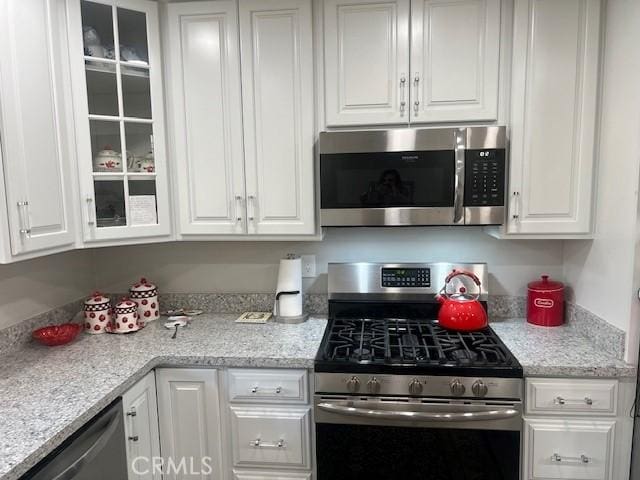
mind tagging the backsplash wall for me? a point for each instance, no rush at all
(31, 287)
(197, 267)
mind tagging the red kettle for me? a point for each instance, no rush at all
(460, 310)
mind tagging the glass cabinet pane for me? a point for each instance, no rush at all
(143, 208)
(132, 31)
(110, 204)
(136, 92)
(97, 29)
(102, 88)
(106, 146)
(139, 138)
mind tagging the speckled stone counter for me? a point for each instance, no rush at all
(558, 351)
(47, 393)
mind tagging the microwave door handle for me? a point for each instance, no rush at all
(459, 158)
(93, 450)
(425, 415)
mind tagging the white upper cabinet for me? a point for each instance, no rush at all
(278, 104)
(553, 115)
(206, 117)
(366, 61)
(119, 117)
(35, 126)
(455, 57)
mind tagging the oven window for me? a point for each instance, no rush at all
(391, 179)
(348, 452)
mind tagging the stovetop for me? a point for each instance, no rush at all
(412, 346)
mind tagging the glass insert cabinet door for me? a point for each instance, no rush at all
(117, 84)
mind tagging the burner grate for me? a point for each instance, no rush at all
(411, 342)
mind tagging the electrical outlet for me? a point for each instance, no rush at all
(308, 265)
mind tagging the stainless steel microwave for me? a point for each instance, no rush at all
(430, 176)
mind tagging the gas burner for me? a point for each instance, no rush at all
(385, 344)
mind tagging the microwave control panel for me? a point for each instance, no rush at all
(406, 277)
(484, 182)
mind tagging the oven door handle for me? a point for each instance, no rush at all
(434, 416)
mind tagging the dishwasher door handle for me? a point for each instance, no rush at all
(106, 432)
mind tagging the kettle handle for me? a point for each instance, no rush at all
(457, 273)
(467, 273)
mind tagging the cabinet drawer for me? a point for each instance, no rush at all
(576, 450)
(266, 386)
(251, 475)
(266, 437)
(575, 397)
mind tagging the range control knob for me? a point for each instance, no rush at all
(415, 387)
(373, 385)
(457, 387)
(353, 384)
(479, 388)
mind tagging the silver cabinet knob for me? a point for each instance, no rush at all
(373, 385)
(415, 387)
(353, 384)
(457, 387)
(479, 388)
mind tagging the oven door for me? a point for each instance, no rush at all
(417, 439)
(391, 178)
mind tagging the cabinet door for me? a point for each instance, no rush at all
(571, 449)
(35, 125)
(189, 411)
(207, 116)
(366, 57)
(141, 429)
(553, 111)
(277, 95)
(119, 112)
(455, 60)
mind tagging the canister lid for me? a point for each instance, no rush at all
(97, 298)
(125, 302)
(142, 286)
(545, 285)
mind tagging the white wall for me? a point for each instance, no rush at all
(35, 286)
(601, 271)
(252, 266)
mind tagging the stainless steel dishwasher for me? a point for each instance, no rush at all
(95, 452)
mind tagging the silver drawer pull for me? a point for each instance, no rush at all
(133, 438)
(278, 389)
(568, 401)
(131, 413)
(257, 443)
(579, 460)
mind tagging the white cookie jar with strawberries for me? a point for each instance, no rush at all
(145, 294)
(97, 313)
(126, 317)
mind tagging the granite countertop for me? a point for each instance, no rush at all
(48, 393)
(558, 351)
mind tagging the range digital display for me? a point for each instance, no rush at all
(406, 277)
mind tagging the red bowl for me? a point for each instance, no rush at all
(57, 334)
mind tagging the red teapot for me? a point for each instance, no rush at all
(460, 310)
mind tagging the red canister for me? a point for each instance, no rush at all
(545, 302)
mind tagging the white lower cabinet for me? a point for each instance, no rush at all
(190, 436)
(577, 429)
(141, 429)
(571, 449)
(277, 437)
(241, 475)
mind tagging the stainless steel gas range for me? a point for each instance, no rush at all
(399, 397)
